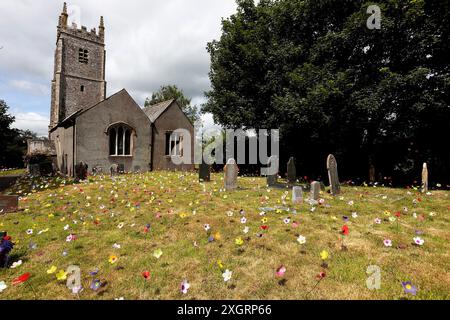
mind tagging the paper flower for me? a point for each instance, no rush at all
(409, 288)
(321, 275)
(157, 253)
(246, 230)
(16, 264)
(377, 220)
(243, 220)
(3, 286)
(95, 284)
(51, 270)
(206, 227)
(387, 242)
(24, 277)
(264, 220)
(230, 213)
(146, 275)
(113, 259)
(301, 239)
(239, 241)
(116, 246)
(392, 219)
(71, 237)
(418, 241)
(30, 231)
(287, 220)
(324, 255)
(227, 275)
(354, 215)
(120, 225)
(184, 286)
(61, 275)
(280, 271)
(345, 230)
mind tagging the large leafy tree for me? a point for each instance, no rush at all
(375, 98)
(13, 142)
(168, 92)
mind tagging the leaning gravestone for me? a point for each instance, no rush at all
(425, 178)
(204, 172)
(230, 174)
(80, 172)
(272, 176)
(114, 169)
(291, 171)
(297, 195)
(9, 203)
(315, 191)
(335, 187)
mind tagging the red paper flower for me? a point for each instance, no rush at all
(398, 214)
(345, 230)
(264, 227)
(22, 278)
(321, 275)
(146, 274)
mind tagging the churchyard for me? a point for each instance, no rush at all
(169, 235)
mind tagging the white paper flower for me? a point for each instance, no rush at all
(66, 227)
(120, 225)
(243, 220)
(3, 286)
(387, 243)
(30, 231)
(185, 286)
(230, 213)
(301, 239)
(377, 221)
(206, 227)
(16, 264)
(418, 241)
(246, 230)
(287, 220)
(227, 275)
(355, 214)
(116, 246)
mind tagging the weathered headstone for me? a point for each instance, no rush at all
(9, 203)
(425, 178)
(291, 171)
(297, 195)
(80, 171)
(204, 172)
(114, 169)
(335, 187)
(230, 174)
(34, 170)
(315, 190)
(121, 168)
(273, 165)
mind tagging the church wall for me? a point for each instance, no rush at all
(172, 119)
(93, 140)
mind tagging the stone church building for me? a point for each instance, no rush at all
(86, 126)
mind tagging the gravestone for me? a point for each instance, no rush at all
(114, 169)
(335, 187)
(297, 195)
(315, 191)
(425, 178)
(204, 172)
(272, 179)
(34, 170)
(9, 203)
(230, 174)
(291, 171)
(121, 168)
(80, 171)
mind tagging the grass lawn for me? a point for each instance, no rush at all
(104, 213)
(12, 172)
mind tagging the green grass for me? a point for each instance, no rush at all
(185, 205)
(12, 172)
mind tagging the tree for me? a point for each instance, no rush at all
(168, 92)
(331, 85)
(13, 142)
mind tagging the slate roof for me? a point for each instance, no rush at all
(155, 110)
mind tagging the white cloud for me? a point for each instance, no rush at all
(31, 121)
(29, 87)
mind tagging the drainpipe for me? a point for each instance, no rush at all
(152, 146)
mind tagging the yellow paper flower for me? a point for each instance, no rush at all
(217, 236)
(51, 215)
(239, 241)
(386, 213)
(220, 264)
(113, 259)
(157, 253)
(264, 220)
(61, 275)
(324, 255)
(51, 270)
(183, 215)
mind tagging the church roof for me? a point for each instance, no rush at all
(155, 110)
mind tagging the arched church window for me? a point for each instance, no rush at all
(120, 140)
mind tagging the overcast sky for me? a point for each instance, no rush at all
(148, 43)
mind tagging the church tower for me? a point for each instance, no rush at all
(79, 69)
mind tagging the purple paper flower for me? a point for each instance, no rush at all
(95, 284)
(409, 288)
